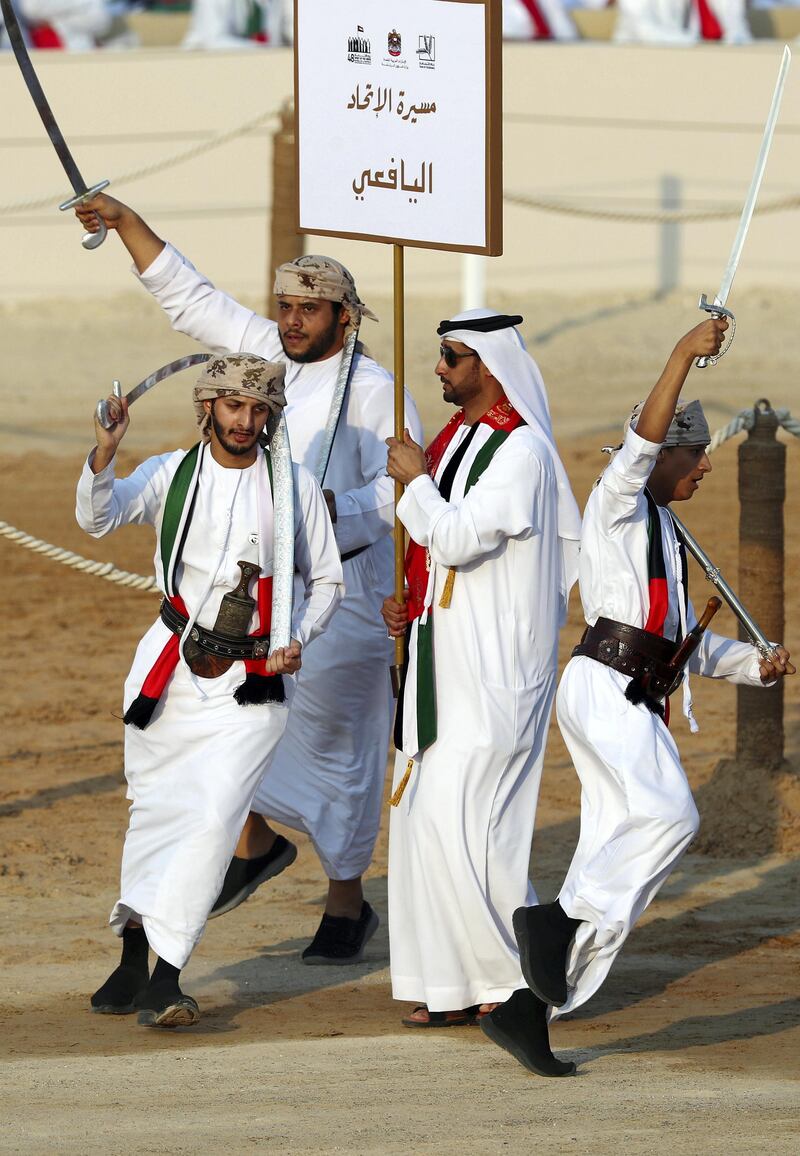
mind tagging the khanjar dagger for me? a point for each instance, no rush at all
(82, 192)
(717, 307)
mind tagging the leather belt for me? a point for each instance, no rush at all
(253, 646)
(354, 553)
(631, 651)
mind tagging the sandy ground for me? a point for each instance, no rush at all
(693, 1042)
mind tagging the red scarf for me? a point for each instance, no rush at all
(543, 31)
(501, 416)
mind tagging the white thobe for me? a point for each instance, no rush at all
(519, 23)
(666, 22)
(460, 838)
(193, 770)
(327, 776)
(637, 811)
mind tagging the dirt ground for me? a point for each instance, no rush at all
(693, 1042)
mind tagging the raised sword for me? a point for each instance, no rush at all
(717, 308)
(79, 187)
(107, 422)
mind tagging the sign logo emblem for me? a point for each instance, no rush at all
(426, 53)
(359, 50)
(395, 43)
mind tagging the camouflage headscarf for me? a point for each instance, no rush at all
(238, 373)
(687, 428)
(325, 278)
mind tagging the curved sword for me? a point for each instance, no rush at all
(148, 383)
(717, 307)
(82, 193)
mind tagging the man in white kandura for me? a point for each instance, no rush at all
(494, 530)
(637, 811)
(327, 776)
(204, 713)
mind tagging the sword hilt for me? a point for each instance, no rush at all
(102, 413)
(89, 240)
(715, 310)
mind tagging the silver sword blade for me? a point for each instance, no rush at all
(79, 186)
(755, 182)
(154, 378)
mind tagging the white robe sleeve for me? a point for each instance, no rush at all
(366, 513)
(195, 307)
(103, 503)
(719, 657)
(316, 559)
(619, 490)
(504, 505)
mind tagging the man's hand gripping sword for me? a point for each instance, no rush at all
(82, 192)
(717, 308)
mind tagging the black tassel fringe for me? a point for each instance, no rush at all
(635, 693)
(260, 688)
(140, 711)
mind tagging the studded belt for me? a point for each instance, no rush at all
(253, 646)
(631, 651)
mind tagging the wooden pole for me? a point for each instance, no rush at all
(399, 428)
(762, 492)
(285, 244)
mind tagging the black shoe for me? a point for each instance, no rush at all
(245, 875)
(164, 1005)
(520, 1026)
(117, 995)
(544, 934)
(341, 940)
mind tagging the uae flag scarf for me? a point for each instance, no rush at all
(418, 693)
(659, 600)
(258, 686)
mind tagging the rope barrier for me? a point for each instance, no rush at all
(105, 570)
(743, 421)
(647, 217)
(150, 170)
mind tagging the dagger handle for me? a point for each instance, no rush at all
(249, 570)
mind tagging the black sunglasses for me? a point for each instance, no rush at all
(451, 358)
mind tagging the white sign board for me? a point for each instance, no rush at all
(398, 106)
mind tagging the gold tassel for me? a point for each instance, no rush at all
(397, 796)
(447, 593)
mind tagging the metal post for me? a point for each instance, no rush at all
(473, 281)
(399, 428)
(669, 271)
(762, 491)
(285, 244)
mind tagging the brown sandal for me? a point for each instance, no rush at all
(442, 1019)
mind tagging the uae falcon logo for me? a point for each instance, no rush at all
(395, 43)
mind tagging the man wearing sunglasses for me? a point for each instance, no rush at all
(494, 532)
(327, 776)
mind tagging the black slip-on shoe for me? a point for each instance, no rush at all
(118, 994)
(164, 1005)
(520, 1027)
(340, 940)
(245, 875)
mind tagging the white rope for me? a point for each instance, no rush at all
(649, 216)
(197, 150)
(105, 570)
(746, 420)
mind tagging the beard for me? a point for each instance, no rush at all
(235, 448)
(318, 348)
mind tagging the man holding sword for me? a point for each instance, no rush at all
(637, 811)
